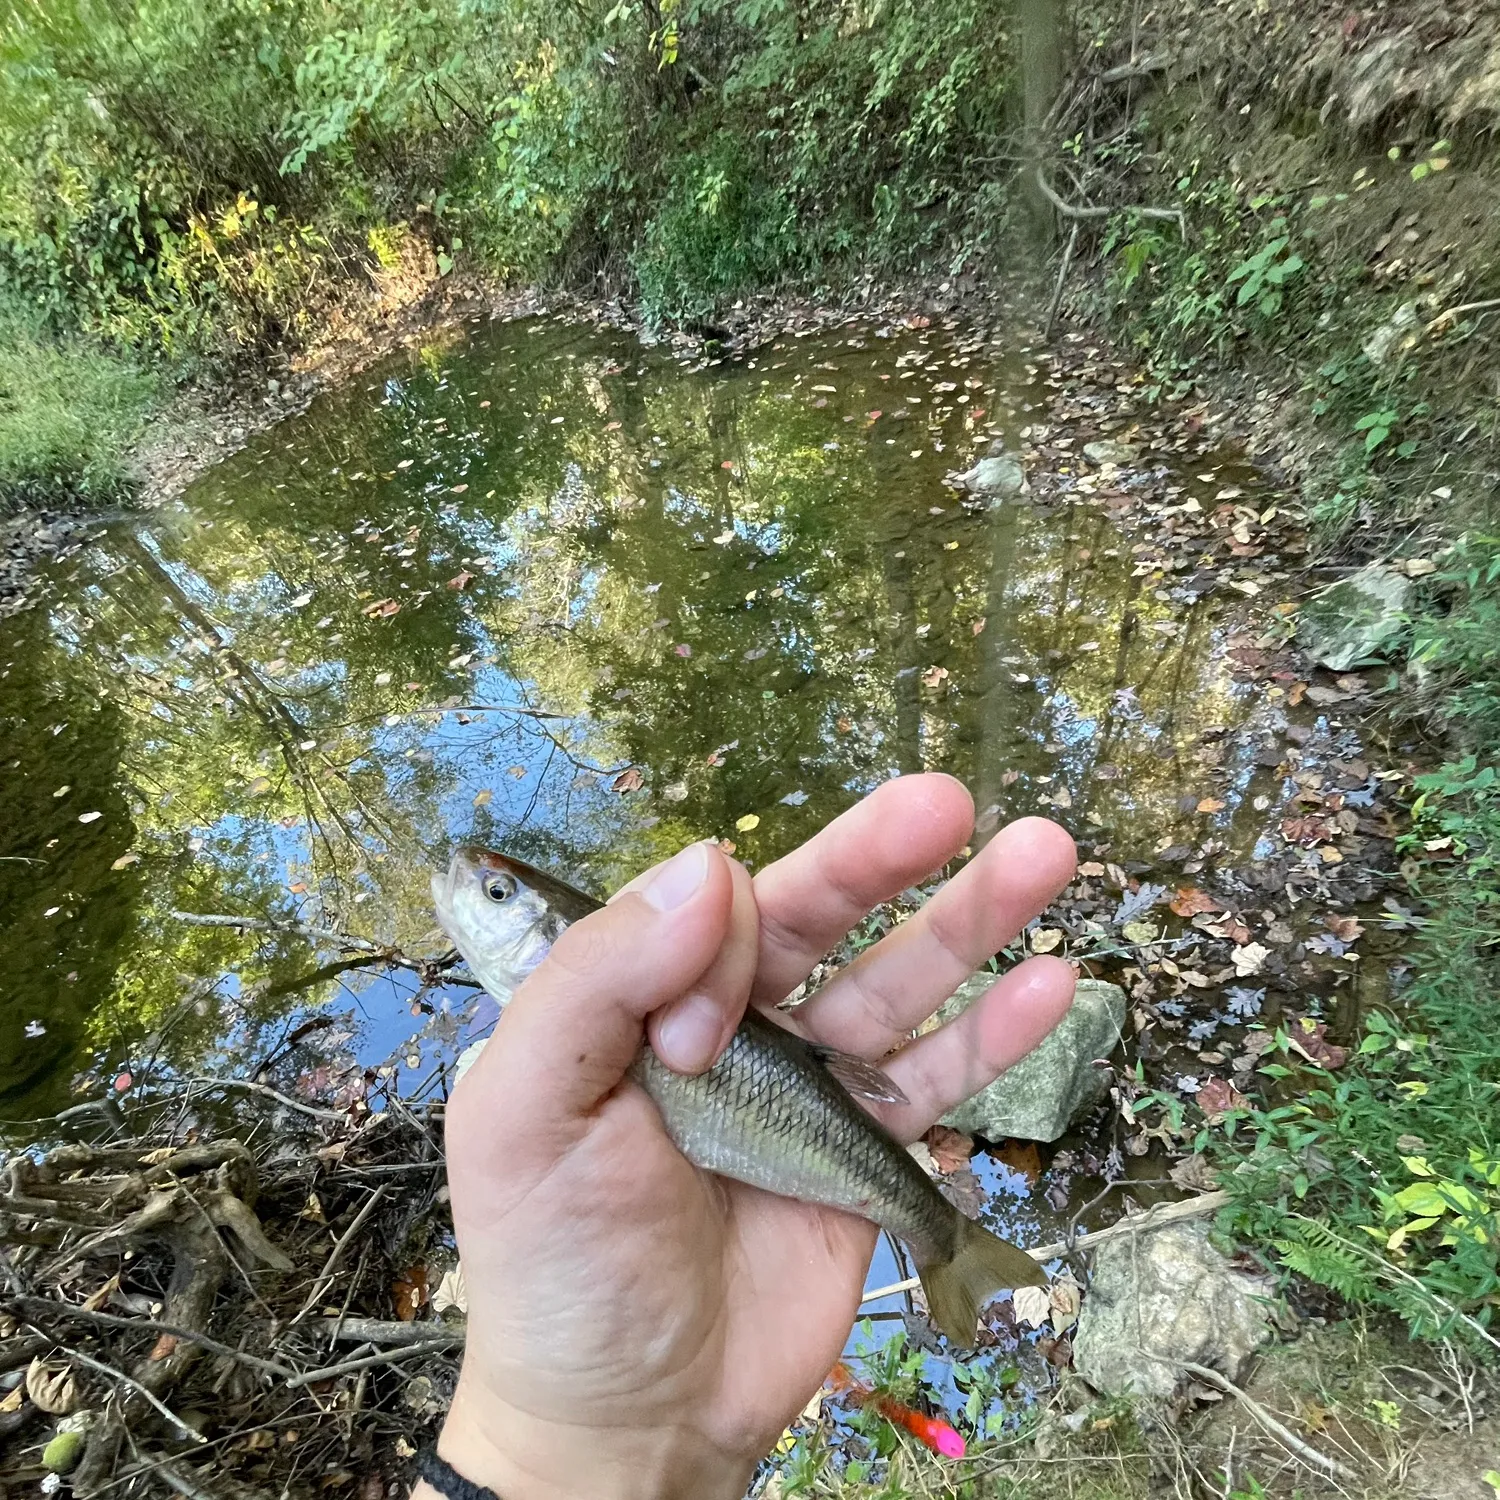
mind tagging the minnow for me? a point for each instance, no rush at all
(774, 1111)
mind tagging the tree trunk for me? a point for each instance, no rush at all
(1043, 43)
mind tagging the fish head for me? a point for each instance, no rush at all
(503, 915)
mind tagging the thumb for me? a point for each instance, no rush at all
(575, 1026)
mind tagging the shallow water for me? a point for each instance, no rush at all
(550, 589)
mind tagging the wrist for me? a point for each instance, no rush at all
(522, 1457)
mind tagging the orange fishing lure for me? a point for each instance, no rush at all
(932, 1432)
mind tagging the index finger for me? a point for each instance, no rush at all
(811, 898)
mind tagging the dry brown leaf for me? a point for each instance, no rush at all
(1045, 939)
(1189, 901)
(1193, 1172)
(409, 1292)
(12, 1400)
(1217, 1097)
(629, 780)
(461, 580)
(1065, 1296)
(52, 1387)
(1310, 1038)
(1345, 929)
(950, 1149)
(1022, 1157)
(1212, 805)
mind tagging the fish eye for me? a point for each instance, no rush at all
(499, 886)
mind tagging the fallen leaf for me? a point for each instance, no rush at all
(1064, 1297)
(683, 649)
(1212, 805)
(1217, 1097)
(950, 1149)
(1045, 939)
(978, 626)
(1194, 1172)
(1310, 1038)
(12, 1400)
(90, 817)
(1033, 1305)
(461, 580)
(409, 1292)
(52, 1387)
(629, 780)
(964, 1191)
(130, 857)
(451, 1292)
(745, 824)
(1022, 1157)
(1189, 901)
(1092, 868)
(484, 797)
(164, 1346)
(935, 676)
(1345, 929)
(1248, 959)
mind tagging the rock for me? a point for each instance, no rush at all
(1038, 1098)
(1356, 620)
(999, 473)
(1109, 451)
(1396, 333)
(1164, 1297)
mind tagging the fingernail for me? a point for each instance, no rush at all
(680, 879)
(687, 1036)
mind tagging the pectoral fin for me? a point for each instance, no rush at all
(862, 1079)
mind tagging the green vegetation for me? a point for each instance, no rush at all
(68, 412)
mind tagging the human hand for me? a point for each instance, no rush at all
(637, 1327)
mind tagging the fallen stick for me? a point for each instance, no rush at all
(325, 1276)
(1153, 1218)
(384, 1332)
(389, 1356)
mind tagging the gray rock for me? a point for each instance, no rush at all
(1159, 1299)
(1356, 620)
(1397, 332)
(998, 473)
(1108, 451)
(1040, 1096)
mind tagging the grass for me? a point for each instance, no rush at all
(68, 414)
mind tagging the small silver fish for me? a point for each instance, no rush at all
(774, 1111)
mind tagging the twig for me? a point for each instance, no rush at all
(382, 1331)
(40, 1306)
(1166, 1213)
(269, 1092)
(1101, 211)
(320, 1285)
(1458, 312)
(388, 1356)
(1062, 276)
(1279, 1430)
(135, 1385)
(1072, 1237)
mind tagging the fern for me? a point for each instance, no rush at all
(1316, 1252)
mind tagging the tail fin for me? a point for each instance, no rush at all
(982, 1264)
